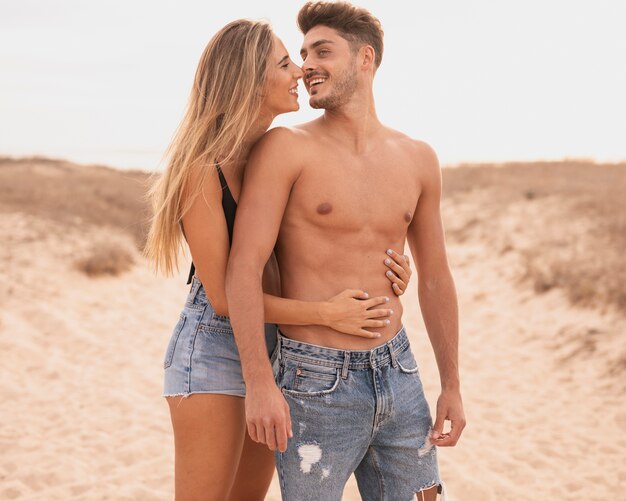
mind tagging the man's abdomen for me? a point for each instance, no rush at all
(324, 270)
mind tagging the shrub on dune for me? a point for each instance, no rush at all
(111, 257)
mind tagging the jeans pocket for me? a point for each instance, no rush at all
(406, 361)
(171, 347)
(308, 380)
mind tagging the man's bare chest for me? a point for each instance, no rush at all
(341, 193)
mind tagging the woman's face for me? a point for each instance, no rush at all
(281, 88)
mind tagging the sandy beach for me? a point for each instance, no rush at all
(84, 324)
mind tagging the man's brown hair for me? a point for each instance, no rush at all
(355, 24)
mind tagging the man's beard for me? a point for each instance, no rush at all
(343, 89)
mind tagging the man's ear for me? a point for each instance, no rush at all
(368, 57)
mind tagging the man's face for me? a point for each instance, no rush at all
(329, 65)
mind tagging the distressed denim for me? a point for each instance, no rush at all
(202, 356)
(355, 411)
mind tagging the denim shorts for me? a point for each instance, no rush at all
(360, 412)
(202, 356)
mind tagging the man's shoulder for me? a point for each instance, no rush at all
(420, 151)
(284, 143)
(283, 134)
(279, 150)
(277, 144)
(281, 140)
(277, 136)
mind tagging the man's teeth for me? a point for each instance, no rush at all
(317, 81)
(294, 91)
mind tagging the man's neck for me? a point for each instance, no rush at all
(353, 123)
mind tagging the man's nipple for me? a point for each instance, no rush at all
(324, 208)
(408, 216)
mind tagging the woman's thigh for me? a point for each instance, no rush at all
(209, 431)
(255, 471)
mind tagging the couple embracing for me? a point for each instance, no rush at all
(290, 350)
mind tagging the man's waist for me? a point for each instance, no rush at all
(326, 337)
(380, 354)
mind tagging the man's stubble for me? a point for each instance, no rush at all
(344, 88)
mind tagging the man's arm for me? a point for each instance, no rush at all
(437, 294)
(270, 174)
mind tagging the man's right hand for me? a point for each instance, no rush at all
(267, 416)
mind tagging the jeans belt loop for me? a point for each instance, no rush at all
(392, 354)
(279, 347)
(195, 287)
(346, 364)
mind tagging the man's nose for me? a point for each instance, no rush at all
(307, 66)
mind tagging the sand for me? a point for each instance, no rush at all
(82, 368)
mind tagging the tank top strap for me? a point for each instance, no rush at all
(223, 182)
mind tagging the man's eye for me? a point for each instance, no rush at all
(286, 65)
(323, 52)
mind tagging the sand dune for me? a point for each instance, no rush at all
(543, 370)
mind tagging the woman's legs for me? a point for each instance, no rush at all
(209, 432)
(254, 474)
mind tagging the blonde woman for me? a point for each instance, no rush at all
(244, 79)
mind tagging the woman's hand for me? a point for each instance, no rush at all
(352, 311)
(399, 271)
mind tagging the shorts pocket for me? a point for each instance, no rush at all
(307, 380)
(406, 361)
(171, 347)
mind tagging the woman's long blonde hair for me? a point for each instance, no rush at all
(224, 104)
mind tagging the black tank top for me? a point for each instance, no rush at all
(230, 208)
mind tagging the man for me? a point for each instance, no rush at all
(334, 192)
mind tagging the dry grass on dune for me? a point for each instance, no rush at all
(75, 195)
(103, 212)
(567, 219)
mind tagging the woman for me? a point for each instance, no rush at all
(244, 79)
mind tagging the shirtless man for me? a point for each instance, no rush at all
(334, 192)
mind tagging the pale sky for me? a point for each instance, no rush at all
(483, 80)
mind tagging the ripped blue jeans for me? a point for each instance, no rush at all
(361, 412)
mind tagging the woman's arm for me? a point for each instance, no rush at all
(349, 312)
